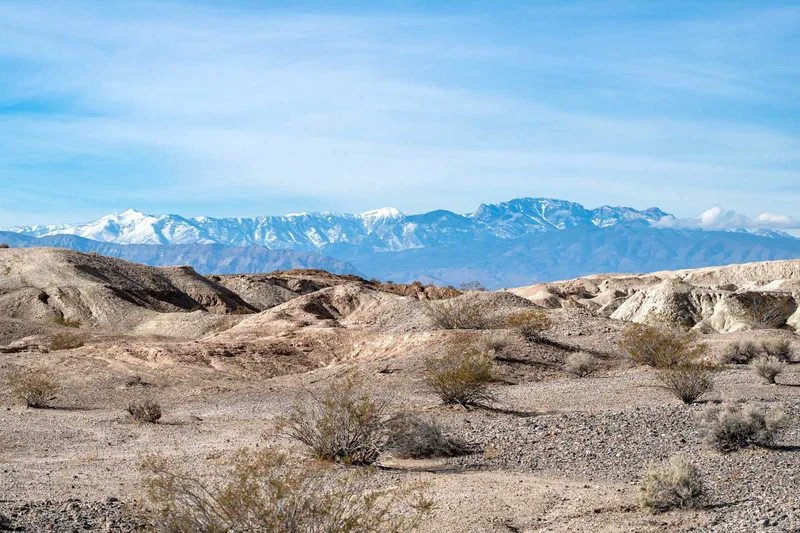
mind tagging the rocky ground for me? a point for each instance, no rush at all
(554, 453)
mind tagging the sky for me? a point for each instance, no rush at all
(256, 108)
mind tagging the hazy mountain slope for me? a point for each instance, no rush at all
(205, 258)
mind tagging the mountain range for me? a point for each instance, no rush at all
(505, 244)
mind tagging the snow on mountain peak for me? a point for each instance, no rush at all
(384, 212)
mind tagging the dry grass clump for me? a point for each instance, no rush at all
(688, 382)
(732, 427)
(462, 376)
(417, 438)
(144, 410)
(65, 341)
(66, 322)
(464, 312)
(36, 387)
(768, 368)
(740, 352)
(676, 486)
(780, 349)
(659, 347)
(581, 364)
(342, 425)
(530, 323)
(263, 492)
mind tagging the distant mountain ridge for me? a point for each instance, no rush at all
(384, 229)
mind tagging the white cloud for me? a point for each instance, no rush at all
(718, 218)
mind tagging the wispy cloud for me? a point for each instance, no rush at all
(718, 218)
(168, 103)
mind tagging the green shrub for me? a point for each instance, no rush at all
(659, 347)
(462, 376)
(262, 492)
(530, 323)
(732, 427)
(676, 486)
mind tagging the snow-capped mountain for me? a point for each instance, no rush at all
(385, 229)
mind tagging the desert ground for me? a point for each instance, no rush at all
(225, 356)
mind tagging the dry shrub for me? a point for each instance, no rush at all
(464, 312)
(740, 352)
(341, 425)
(780, 349)
(676, 486)
(4, 245)
(768, 368)
(67, 323)
(36, 387)
(144, 410)
(659, 347)
(417, 438)
(263, 492)
(766, 310)
(495, 341)
(689, 381)
(732, 427)
(462, 376)
(530, 323)
(581, 364)
(65, 341)
(473, 285)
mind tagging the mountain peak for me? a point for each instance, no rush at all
(383, 212)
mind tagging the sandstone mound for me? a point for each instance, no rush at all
(724, 299)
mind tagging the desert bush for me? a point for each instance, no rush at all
(474, 285)
(768, 368)
(65, 341)
(530, 323)
(343, 425)
(417, 438)
(36, 387)
(458, 313)
(462, 376)
(4, 245)
(144, 410)
(764, 310)
(732, 426)
(689, 381)
(740, 352)
(676, 486)
(66, 322)
(262, 492)
(581, 364)
(780, 349)
(495, 341)
(659, 347)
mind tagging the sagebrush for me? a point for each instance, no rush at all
(463, 376)
(263, 492)
(678, 485)
(741, 352)
(731, 427)
(768, 368)
(342, 424)
(36, 387)
(581, 364)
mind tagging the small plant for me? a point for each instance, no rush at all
(342, 425)
(688, 382)
(66, 322)
(659, 347)
(65, 341)
(732, 427)
(144, 410)
(765, 310)
(4, 245)
(494, 341)
(676, 486)
(531, 323)
(740, 352)
(462, 376)
(780, 349)
(473, 285)
(768, 368)
(465, 312)
(36, 387)
(416, 438)
(581, 364)
(264, 492)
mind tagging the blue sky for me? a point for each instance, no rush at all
(273, 107)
